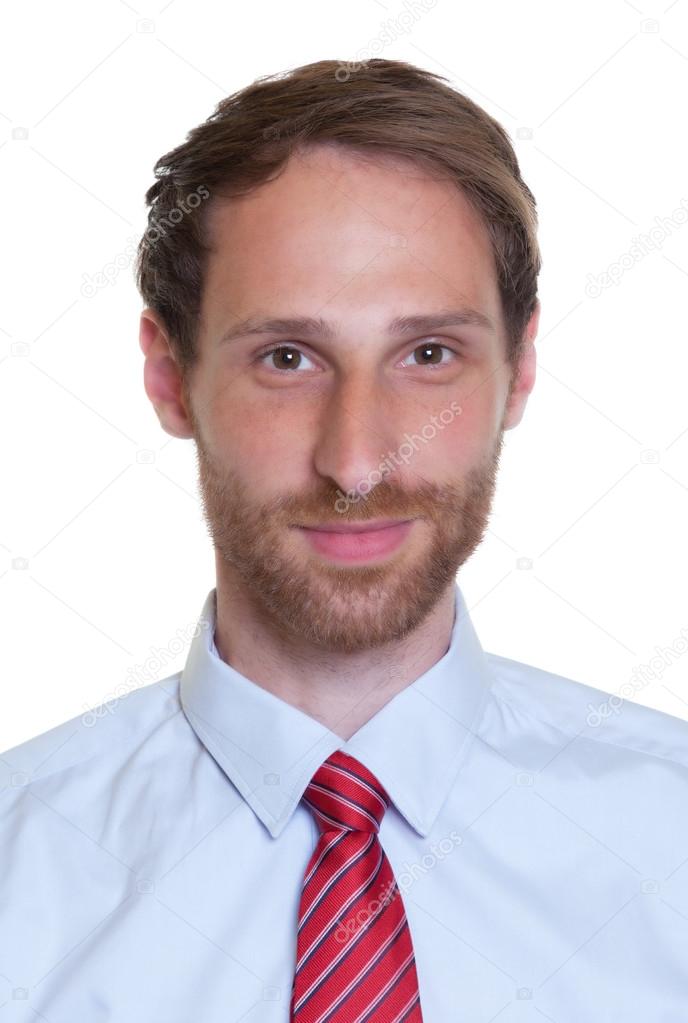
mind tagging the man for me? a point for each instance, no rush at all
(343, 810)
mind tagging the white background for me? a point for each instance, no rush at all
(104, 556)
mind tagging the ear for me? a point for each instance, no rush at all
(523, 380)
(162, 378)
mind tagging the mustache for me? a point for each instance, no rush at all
(385, 501)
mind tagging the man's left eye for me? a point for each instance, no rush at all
(430, 354)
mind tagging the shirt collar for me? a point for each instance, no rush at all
(270, 750)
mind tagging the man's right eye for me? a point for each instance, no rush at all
(292, 357)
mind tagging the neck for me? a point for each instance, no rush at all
(341, 691)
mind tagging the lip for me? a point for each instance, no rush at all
(358, 541)
(371, 526)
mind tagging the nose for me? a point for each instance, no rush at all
(356, 434)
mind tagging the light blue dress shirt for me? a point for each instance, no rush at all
(153, 850)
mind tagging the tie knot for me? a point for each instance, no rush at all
(344, 795)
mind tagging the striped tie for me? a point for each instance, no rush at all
(354, 955)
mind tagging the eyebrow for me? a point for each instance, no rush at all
(309, 326)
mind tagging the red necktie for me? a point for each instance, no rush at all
(354, 955)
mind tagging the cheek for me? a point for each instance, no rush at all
(458, 435)
(265, 440)
(481, 401)
(269, 438)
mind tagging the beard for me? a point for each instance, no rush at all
(336, 607)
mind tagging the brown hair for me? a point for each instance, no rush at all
(384, 107)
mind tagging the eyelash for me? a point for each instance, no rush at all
(276, 348)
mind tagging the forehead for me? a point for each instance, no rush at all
(343, 228)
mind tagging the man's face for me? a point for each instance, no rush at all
(361, 423)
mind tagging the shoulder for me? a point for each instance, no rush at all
(84, 808)
(94, 740)
(587, 712)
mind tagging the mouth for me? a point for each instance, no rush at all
(372, 526)
(357, 541)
